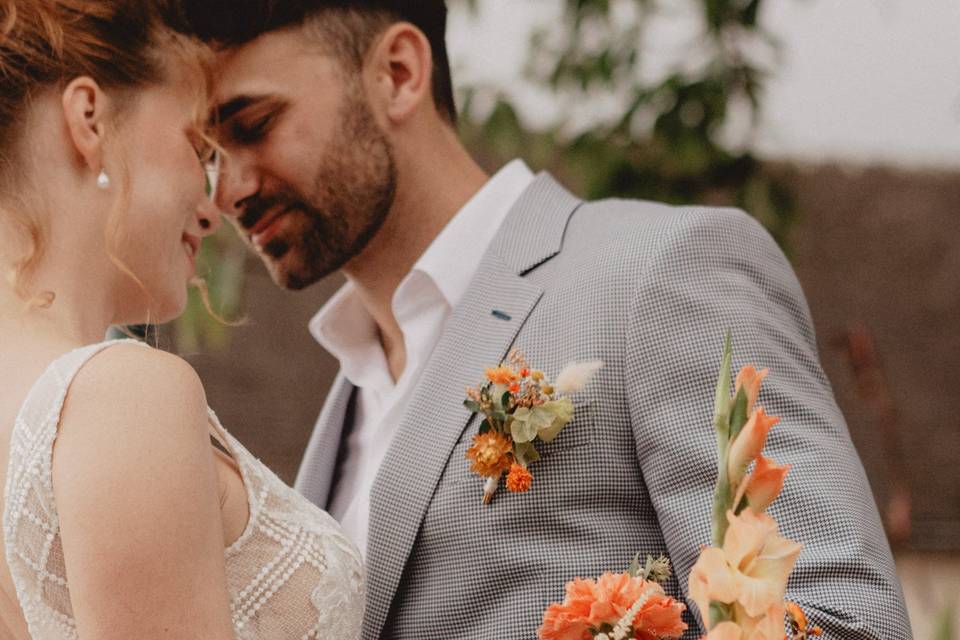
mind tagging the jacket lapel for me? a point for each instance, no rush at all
(479, 334)
(315, 477)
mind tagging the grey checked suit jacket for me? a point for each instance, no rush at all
(650, 290)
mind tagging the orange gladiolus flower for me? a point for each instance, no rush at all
(763, 485)
(491, 454)
(750, 571)
(749, 379)
(725, 631)
(749, 444)
(767, 627)
(502, 375)
(588, 604)
(519, 479)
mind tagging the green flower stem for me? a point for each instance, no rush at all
(722, 497)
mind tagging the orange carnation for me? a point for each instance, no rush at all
(589, 604)
(490, 454)
(519, 479)
(502, 375)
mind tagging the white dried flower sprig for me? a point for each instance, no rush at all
(622, 629)
(576, 376)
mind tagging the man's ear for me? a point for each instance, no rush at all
(402, 65)
(85, 111)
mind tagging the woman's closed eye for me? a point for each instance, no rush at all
(205, 152)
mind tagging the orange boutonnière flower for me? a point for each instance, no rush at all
(520, 407)
(491, 454)
(502, 375)
(519, 479)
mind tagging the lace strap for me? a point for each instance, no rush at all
(30, 521)
(35, 427)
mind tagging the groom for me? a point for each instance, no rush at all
(342, 154)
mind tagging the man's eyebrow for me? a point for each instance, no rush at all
(227, 110)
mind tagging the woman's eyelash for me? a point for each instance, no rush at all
(204, 151)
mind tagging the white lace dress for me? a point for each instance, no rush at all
(291, 574)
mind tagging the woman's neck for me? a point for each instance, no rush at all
(76, 313)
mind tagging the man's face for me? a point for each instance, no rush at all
(308, 177)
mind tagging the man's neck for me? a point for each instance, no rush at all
(432, 187)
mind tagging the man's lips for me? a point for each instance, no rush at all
(267, 219)
(262, 232)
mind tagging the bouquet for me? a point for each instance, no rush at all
(617, 607)
(740, 582)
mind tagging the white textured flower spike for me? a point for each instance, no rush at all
(576, 376)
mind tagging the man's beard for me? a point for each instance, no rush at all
(352, 193)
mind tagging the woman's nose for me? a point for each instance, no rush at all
(208, 215)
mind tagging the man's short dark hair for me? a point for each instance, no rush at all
(348, 28)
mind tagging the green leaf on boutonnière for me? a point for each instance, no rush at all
(560, 413)
(485, 426)
(522, 428)
(525, 453)
(472, 406)
(738, 418)
(635, 567)
(532, 422)
(505, 400)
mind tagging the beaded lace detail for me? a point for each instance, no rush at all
(291, 574)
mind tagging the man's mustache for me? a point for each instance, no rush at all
(258, 207)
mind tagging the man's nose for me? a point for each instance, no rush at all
(239, 180)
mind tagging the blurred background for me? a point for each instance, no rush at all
(836, 124)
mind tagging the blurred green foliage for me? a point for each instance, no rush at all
(221, 264)
(670, 140)
(945, 629)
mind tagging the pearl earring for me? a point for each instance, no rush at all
(103, 180)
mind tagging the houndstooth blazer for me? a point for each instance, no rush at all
(650, 290)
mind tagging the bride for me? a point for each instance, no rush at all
(128, 511)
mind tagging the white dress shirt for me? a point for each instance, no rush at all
(422, 304)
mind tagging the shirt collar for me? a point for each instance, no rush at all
(348, 332)
(344, 327)
(454, 255)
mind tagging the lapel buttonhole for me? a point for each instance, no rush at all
(500, 315)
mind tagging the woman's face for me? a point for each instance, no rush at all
(169, 211)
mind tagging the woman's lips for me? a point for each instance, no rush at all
(191, 246)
